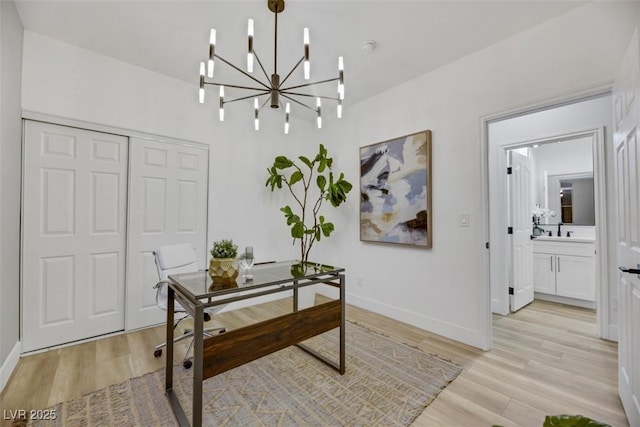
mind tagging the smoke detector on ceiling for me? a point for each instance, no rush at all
(367, 46)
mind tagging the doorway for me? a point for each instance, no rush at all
(592, 117)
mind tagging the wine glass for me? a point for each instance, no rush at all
(246, 261)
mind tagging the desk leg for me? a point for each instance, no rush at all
(169, 335)
(342, 325)
(198, 353)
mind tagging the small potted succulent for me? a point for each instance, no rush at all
(222, 266)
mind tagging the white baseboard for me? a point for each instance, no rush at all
(468, 336)
(565, 300)
(9, 365)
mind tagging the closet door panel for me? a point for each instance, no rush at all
(73, 234)
(167, 205)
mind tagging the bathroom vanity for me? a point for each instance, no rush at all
(564, 270)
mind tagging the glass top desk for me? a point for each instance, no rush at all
(211, 356)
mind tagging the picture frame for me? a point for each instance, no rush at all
(395, 191)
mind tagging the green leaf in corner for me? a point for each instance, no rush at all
(571, 421)
(297, 231)
(327, 229)
(274, 179)
(293, 219)
(281, 162)
(321, 181)
(306, 161)
(322, 165)
(295, 177)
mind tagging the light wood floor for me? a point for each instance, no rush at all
(546, 360)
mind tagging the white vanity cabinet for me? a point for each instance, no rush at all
(565, 267)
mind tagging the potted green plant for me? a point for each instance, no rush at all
(310, 183)
(222, 266)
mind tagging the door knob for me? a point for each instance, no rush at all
(630, 270)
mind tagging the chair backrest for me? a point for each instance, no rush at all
(172, 259)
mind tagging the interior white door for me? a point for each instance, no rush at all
(626, 106)
(522, 248)
(73, 234)
(167, 204)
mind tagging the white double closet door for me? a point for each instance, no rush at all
(95, 205)
(167, 205)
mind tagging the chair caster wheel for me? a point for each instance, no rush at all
(222, 331)
(207, 317)
(157, 353)
(187, 364)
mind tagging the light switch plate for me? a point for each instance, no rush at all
(465, 219)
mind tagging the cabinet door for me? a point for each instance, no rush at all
(575, 277)
(544, 279)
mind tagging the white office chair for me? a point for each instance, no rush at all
(174, 259)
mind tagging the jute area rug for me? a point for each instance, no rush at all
(386, 384)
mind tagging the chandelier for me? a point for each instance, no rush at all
(272, 88)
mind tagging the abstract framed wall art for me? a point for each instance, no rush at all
(395, 191)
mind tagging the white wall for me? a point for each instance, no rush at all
(444, 289)
(82, 85)
(11, 33)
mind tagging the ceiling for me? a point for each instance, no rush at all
(171, 36)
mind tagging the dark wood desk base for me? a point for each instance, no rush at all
(231, 349)
(260, 339)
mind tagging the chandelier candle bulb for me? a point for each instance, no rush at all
(287, 110)
(222, 103)
(256, 107)
(339, 109)
(201, 91)
(319, 105)
(340, 78)
(307, 71)
(250, 49)
(212, 52)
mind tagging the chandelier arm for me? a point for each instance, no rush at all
(312, 83)
(237, 86)
(242, 71)
(299, 103)
(245, 97)
(333, 98)
(263, 104)
(260, 64)
(291, 72)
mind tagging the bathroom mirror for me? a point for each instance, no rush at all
(563, 177)
(570, 196)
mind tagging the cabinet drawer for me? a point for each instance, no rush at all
(562, 248)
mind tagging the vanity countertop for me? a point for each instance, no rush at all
(564, 239)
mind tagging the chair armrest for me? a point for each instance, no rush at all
(160, 283)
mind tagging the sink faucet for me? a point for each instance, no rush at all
(559, 232)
